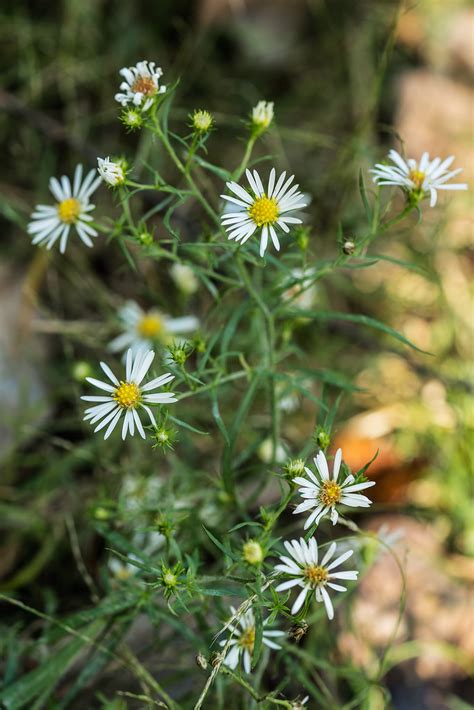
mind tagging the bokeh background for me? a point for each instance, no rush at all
(349, 80)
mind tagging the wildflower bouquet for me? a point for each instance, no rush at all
(200, 474)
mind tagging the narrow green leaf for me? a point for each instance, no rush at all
(223, 548)
(353, 318)
(187, 426)
(220, 172)
(257, 647)
(217, 417)
(220, 591)
(46, 677)
(242, 411)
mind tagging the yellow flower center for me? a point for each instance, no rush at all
(315, 575)
(330, 493)
(264, 211)
(144, 85)
(123, 573)
(150, 326)
(247, 639)
(417, 177)
(69, 210)
(127, 395)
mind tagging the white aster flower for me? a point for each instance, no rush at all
(50, 223)
(145, 328)
(123, 570)
(111, 173)
(325, 492)
(139, 492)
(302, 293)
(262, 114)
(148, 543)
(243, 640)
(312, 576)
(184, 278)
(126, 397)
(262, 210)
(418, 180)
(141, 85)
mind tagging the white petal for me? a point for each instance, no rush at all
(112, 425)
(327, 603)
(351, 574)
(299, 601)
(287, 585)
(322, 465)
(139, 424)
(101, 385)
(339, 560)
(337, 464)
(109, 373)
(263, 240)
(329, 553)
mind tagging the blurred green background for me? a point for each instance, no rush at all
(348, 81)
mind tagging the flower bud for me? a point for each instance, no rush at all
(294, 468)
(112, 173)
(322, 438)
(202, 121)
(252, 552)
(145, 238)
(131, 119)
(262, 115)
(81, 370)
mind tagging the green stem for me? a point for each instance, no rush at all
(397, 219)
(269, 350)
(245, 160)
(182, 169)
(204, 388)
(253, 692)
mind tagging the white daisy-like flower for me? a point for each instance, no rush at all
(149, 543)
(262, 210)
(302, 293)
(139, 492)
(50, 223)
(418, 179)
(243, 640)
(313, 576)
(262, 114)
(184, 278)
(324, 492)
(143, 329)
(111, 173)
(141, 85)
(127, 396)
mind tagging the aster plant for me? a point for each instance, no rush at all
(198, 485)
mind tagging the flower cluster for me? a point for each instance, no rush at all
(268, 209)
